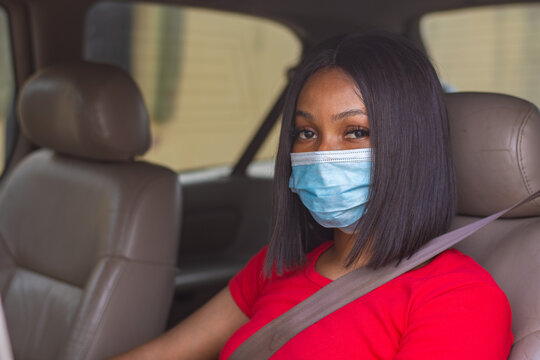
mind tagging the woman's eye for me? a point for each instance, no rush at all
(305, 134)
(357, 133)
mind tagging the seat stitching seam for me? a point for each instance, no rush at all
(523, 171)
(27, 269)
(524, 336)
(105, 308)
(125, 264)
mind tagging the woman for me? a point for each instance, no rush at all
(363, 177)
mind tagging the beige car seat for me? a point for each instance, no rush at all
(88, 235)
(496, 147)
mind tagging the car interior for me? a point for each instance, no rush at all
(104, 247)
(73, 268)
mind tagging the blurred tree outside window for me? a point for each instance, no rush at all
(490, 48)
(208, 78)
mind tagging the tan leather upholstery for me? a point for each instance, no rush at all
(87, 247)
(496, 143)
(496, 146)
(95, 112)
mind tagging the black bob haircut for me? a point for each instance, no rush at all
(412, 196)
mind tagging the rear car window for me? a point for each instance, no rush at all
(207, 77)
(7, 84)
(492, 48)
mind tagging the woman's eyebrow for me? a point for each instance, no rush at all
(348, 113)
(304, 114)
(335, 117)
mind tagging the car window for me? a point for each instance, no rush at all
(208, 77)
(7, 83)
(493, 48)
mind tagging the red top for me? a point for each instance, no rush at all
(450, 308)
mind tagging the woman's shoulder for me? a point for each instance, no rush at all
(452, 263)
(453, 300)
(453, 273)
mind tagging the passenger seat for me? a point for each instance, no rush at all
(88, 235)
(496, 147)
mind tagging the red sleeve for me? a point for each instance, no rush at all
(245, 286)
(469, 322)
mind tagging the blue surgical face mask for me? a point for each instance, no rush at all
(333, 185)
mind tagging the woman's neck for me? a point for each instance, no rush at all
(343, 244)
(331, 263)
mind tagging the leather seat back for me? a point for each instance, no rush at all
(88, 236)
(496, 147)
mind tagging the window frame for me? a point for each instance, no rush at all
(262, 128)
(11, 129)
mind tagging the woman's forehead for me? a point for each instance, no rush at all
(329, 88)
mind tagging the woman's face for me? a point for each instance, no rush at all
(330, 114)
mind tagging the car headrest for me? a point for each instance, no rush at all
(496, 147)
(85, 109)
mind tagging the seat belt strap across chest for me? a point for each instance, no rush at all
(271, 337)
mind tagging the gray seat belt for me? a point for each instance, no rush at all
(271, 337)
